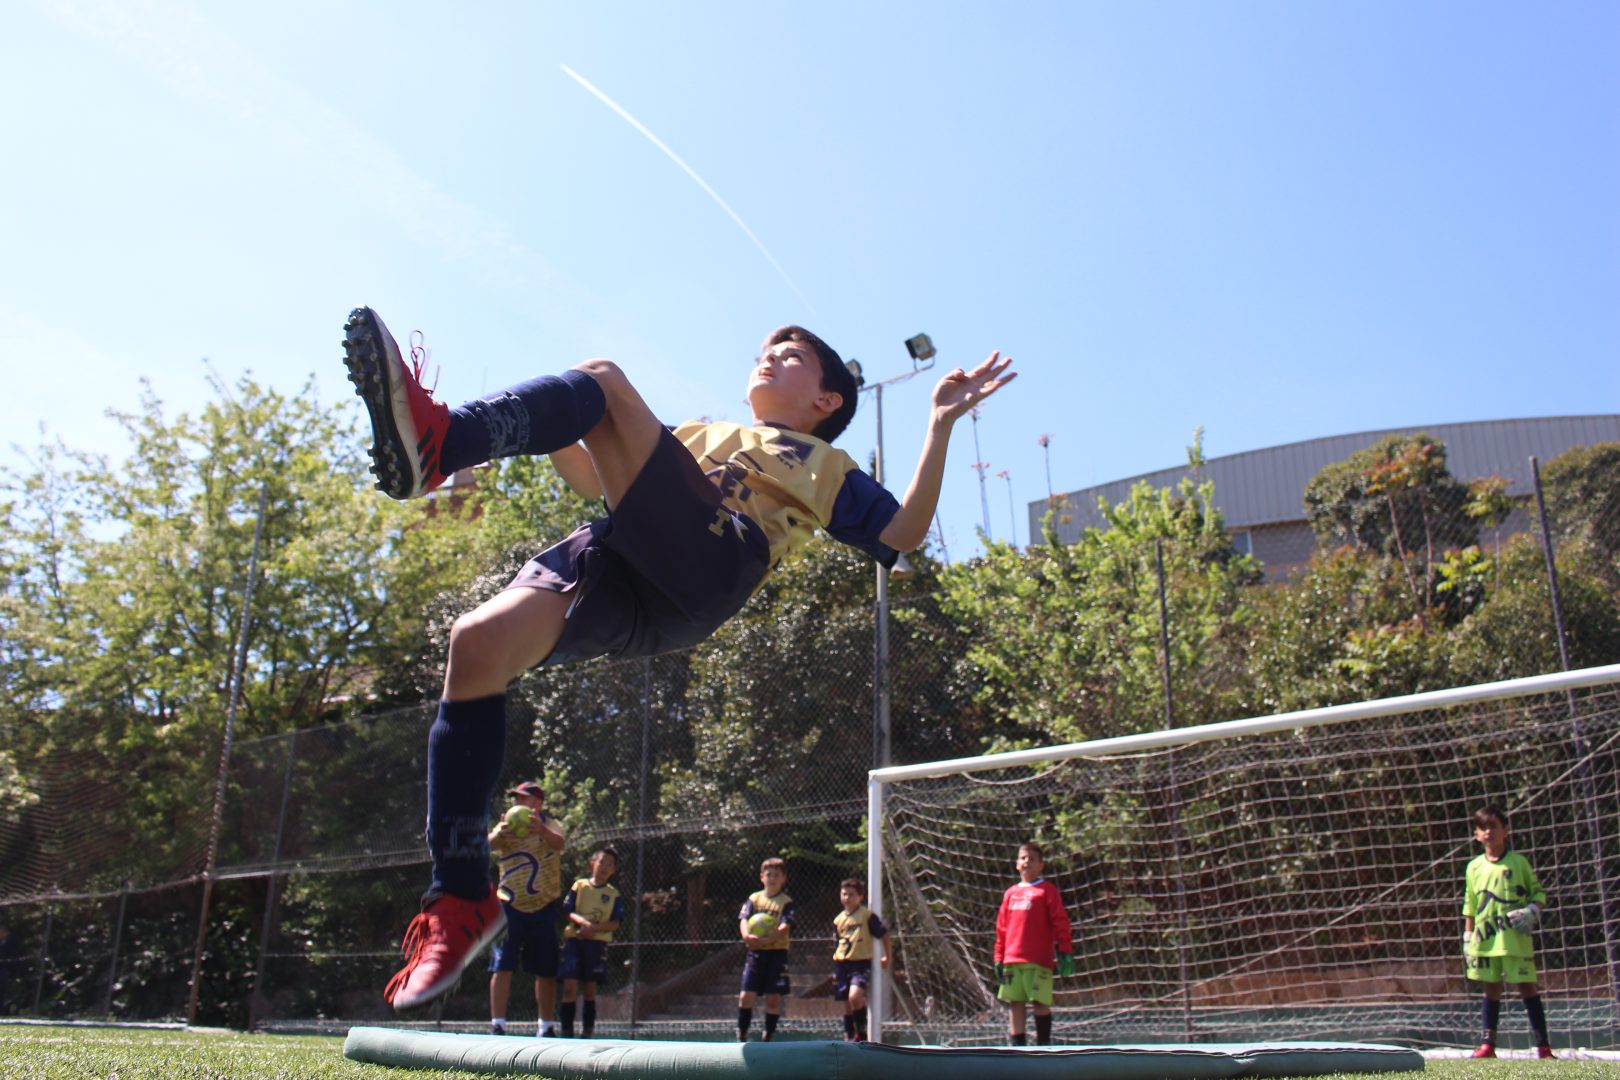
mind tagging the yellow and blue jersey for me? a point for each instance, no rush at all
(781, 905)
(531, 873)
(791, 484)
(856, 931)
(594, 903)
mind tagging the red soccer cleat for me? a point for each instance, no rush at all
(1485, 1050)
(407, 425)
(1544, 1051)
(439, 944)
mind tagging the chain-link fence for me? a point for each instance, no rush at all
(696, 766)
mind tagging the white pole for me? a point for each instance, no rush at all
(875, 1001)
(1332, 714)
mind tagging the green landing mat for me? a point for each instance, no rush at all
(604, 1059)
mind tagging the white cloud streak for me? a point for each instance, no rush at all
(702, 183)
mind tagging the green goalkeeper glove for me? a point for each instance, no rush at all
(1525, 919)
(1065, 964)
(1002, 979)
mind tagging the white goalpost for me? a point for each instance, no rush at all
(1288, 876)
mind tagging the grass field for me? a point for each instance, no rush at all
(42, 1052)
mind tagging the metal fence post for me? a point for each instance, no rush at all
(1175, 793)
(256, 999)
(117, 939)
(641, 842)
(44, 957)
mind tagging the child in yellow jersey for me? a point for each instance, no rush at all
(1502, 903)
(860, 933)
(529, 853)
(592, 909)
(696, 518)
(765, 969)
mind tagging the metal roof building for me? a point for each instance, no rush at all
(1260, 492)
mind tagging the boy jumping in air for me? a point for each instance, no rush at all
(1502, 903)
(697, 516)
(1031, 924)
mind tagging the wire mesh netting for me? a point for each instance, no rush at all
(1306, 883)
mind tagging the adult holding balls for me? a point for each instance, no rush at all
(527, 844)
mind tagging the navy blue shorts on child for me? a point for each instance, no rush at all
(584, 961)
(848, 973)
(667, 566)
(765, 972)
(530, 939)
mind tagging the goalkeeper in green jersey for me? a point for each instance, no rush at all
(1502, 903)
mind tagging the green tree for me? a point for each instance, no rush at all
(1063, 640)
(1582, 487)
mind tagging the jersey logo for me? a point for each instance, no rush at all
(791, 452)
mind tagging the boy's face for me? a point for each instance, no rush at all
(1029, 865)
(603, 866)
(773, 879)
(537, 803)
(851, 897)
(1493, 835)
(785, 385)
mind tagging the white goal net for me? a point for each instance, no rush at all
(1296, 876)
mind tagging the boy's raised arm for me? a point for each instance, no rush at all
(953, 396)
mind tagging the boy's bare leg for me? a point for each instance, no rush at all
(627, 434)
(500, 639)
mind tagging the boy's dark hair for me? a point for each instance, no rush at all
(775, 862)
(604, 850)
(854, 883)
(1488, 813)
(1035, 848)
(834, 376)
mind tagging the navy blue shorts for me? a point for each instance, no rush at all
(531, 937)
(765, 971)
(848, 973)
(584, 961)
(661, 572)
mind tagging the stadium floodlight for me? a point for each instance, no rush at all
(921, 347)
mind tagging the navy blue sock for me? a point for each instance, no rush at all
(588, 1018)
(466, 748)
(770, 1023)
(534, 417)
(1537, 1012)
(1490, 1014)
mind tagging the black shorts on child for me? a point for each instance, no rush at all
(530, 941)
(584, 961)
(848, 973)
(765, 972)
(667, 566)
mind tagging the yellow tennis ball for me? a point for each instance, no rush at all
(519, 820)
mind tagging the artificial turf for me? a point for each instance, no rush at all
(75, 1052)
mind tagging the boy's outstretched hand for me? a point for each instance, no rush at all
(961, 390)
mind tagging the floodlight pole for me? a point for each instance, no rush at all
(922, 358)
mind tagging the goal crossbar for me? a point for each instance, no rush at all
(1565, 681)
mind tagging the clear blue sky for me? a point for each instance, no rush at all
(1277, 220)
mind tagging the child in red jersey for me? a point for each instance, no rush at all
(1029, 927)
